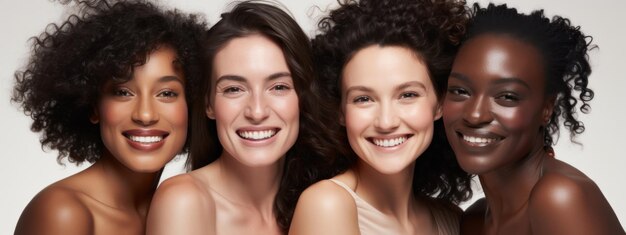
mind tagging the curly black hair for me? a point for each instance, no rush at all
(432, 30)
(308, 160)
(101, 41)
(563, 48)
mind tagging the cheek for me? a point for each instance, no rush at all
(452, 111)
(176, 113)
(226, 110)
(286, 107)
(358, 119)
(112, 113)
(518, 119)
(420, 115)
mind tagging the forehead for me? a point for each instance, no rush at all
(491, 56)
(385, 66)
(249, 56)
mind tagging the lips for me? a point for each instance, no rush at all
(479, 140)
(257, 134)
(388, 142)
(145, 140)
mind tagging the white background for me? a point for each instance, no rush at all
(26, 168)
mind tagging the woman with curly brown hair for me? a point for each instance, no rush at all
(384, 65)
(108, 86)
(259, 130)
(516, 78)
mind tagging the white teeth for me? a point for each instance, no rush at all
(146, 139)
(389, 142)
(478, 140)
(256, 135)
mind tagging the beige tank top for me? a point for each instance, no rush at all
(373, 222)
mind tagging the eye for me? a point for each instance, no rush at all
(232, 90)
(122, 92)
(507, 98)
(168, 94)
(361, 99)
(409, 95)
(281, 87)
(457, 91)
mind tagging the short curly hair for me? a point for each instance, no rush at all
(431, 29)
(563, 48)
(103, 40)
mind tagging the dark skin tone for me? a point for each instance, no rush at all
(494, 111)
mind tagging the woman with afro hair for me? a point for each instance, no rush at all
(109, 86)
(515, 80)
(383, 66)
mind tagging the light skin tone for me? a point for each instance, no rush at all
(494, 111)
(143, 124)
(255, 106)
(388, 108)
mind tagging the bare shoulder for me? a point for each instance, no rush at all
(566, 201)
(325, 208)
(56, 210)
(181, 205)
(473, 218)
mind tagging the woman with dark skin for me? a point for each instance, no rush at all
(259, 131)
(384, 65)
(514, 79)
(108, 86)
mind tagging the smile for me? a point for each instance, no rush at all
(478, 141)
(145, 139)
(389, 142)
(257, 135)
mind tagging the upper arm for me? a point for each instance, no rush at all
(325, 208)
(55, 211)
(564, 205)
(181, 206)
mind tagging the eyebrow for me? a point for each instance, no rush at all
(511, 79)
(170, 78)
(398, 87)
(502, 80)
(238, 78)
(410, 84)
(459, 76)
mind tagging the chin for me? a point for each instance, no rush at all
(474, 165)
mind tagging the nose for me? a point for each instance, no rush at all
(257, 109)
(387, 119)
(144, 112)
(478, 111)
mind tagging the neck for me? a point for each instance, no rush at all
(254, 187)
(508, 189)
(126, 189)
(389, 193)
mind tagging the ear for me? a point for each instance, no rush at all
(548, 108)
(209, 110)
(342, 114)
(342, 119)
(438, 112)
(94, 118)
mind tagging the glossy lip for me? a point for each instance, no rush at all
(259, 142)
(144, 132)
(392, 148)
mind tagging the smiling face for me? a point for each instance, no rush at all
(496, 103)
(143, 122)
(389, 106)
(253, 101)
